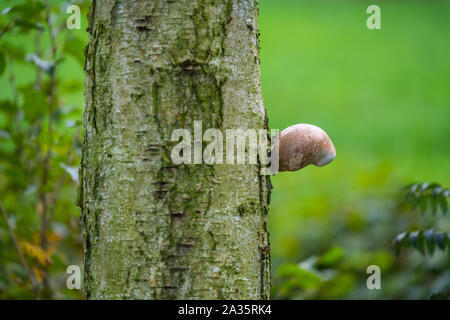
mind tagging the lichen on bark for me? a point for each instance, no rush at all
(152, 229)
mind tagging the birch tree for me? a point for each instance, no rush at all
(152, 229)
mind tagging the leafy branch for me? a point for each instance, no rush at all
(30, 274)
(36, 130)
(425, 196)
(422, 240)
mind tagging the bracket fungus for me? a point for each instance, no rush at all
(304, 144)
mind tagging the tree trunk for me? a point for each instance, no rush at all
(152, 229)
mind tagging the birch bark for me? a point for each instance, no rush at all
(154, 230)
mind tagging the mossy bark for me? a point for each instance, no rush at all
(154, 230)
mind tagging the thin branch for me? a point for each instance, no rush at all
(31, 277)
(5, 28)
(62, 181)
(37, 49)
(43, 196)
(12, 81)
(14, 94)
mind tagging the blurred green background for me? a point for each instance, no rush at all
(383, 97)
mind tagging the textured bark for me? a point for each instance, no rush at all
(154, 230)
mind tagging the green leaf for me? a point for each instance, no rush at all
(408, 196)
(442, 201)
(400, 237)
(424, 186)
(6, 11)
(414, 200)
(433, 185)
(72, 171)
(416, 240)
(331, 256)
(407, 187)
(287, 269)
(299, 277)
(423, 204)
(8, 107)
(13, 51)
(429, 239)
(26, 16)
(437, 191)
(74, 47)
(46, 66)
(441, 240)
(433, 204)
(400, 242)
(28, 25)
(439, 296)
(27, 10)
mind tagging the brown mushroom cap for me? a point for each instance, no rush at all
(304, 144)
